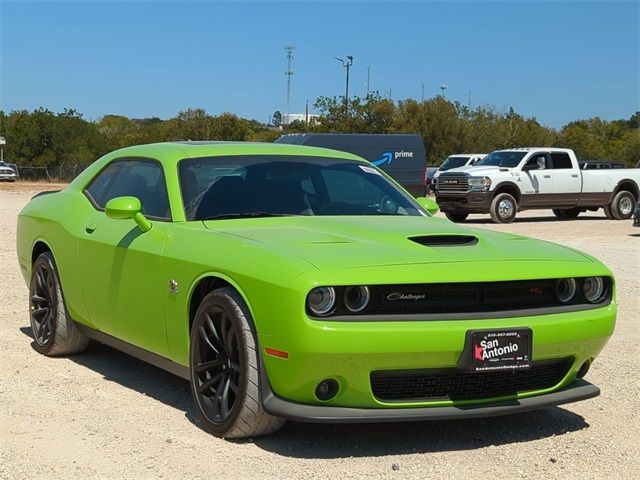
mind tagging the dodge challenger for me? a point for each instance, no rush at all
(290, 282)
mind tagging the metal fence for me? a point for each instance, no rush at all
(61, 173)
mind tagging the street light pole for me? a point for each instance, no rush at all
(347, 66)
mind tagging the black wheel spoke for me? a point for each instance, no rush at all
(203, 367)
(224, 398)
(39, 299)
(214, 331)
(207, 340)
(209, 383)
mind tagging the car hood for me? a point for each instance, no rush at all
(478, 171)
(365, 241)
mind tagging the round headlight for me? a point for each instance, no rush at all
(321, 300)
(356, 299)
(565, 289)
(593, 289)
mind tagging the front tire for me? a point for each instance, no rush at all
(53, 331)
(456, 217)
(503, 208)
(224, 369)
(623, 205)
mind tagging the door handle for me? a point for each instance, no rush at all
(574, 175)
(547, 176)
(90, 228)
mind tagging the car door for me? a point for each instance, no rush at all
(539, 183)
(120, 264)
(567, 181)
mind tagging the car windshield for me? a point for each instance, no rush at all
(502, 159)
(453, 162)
(265, 185)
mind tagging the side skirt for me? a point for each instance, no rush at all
(137, 352)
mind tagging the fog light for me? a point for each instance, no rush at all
(321, 300)
(593, 288)
(566, 289)
(584, 368)
(326, 389)
(356, 299)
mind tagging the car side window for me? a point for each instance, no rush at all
(536, 158)
(561, 160)
(143, 179)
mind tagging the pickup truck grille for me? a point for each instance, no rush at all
(453, 182)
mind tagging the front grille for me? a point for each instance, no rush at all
(452, 384)
(453, 182)
(445, 240)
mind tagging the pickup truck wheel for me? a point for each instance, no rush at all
(456, 217)
(503, 208)
(623, 205)
(607, 212)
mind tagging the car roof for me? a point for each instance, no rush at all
(177, 150)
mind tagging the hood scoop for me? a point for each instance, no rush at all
(446, 240)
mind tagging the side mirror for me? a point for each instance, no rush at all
(530, 166)
(429, 205)
(127, 208)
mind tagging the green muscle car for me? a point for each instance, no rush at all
(289, 282)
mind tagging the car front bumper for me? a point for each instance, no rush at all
(350, 352)
(470, 202)
(576, 391)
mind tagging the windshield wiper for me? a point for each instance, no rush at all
(224, 216)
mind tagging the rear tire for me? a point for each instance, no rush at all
(623, 205)
(53, 331)
(224, 369)
(503, 208)
(456, 217)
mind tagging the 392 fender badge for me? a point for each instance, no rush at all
(173, 286)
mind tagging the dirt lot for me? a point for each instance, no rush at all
(105, 415)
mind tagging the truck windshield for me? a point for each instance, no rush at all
(453, 162)
(502, 159)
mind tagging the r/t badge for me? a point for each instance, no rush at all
(173, 286)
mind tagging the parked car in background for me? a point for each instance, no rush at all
(290, 282)
(636, 216)
(8, 172)
(456, 161)
(507, 181)
(429, 183)
(402, 157)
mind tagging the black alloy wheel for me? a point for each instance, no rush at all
(217, 364)
(224, 366)
(43, 303)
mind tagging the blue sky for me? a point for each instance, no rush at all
(557, 61)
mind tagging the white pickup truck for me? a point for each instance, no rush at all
(507, 181)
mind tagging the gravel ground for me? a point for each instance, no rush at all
(105, 415)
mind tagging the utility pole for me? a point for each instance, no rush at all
(306, 114)
(469, 102)
(289, 73)
(368, 79)
(422, 97)
(347, 66)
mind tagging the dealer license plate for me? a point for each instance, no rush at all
(492, 350)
